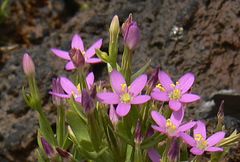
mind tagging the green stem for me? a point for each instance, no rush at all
(60, 125)
(165, 153)
(138, 157)
(127, 64)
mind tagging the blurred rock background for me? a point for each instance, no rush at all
(201, 36)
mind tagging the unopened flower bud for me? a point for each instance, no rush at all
(152, 82)
(87, 101)
(63, 153)
(138, 134)
(57, 88)
(77, 57)
(47, 147)
(113, 115)
(174, 151)
(28, 65)
(131, 33)
(114, 27)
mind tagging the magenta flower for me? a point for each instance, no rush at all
(176, 94)
(124, 95)
(172, 127)
(200, 143)
(78, 54)
(71, 90)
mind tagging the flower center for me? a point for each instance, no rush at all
(126, 98)
(201, 142)
(171, 128)
(175, 94)
(160, 87)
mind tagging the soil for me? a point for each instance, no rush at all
(209, 46)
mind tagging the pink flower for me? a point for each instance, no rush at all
(172, 127)
(176, 94)
(77, 55)
(200, 142)
(71, 90)
(124, 95)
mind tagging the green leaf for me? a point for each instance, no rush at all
(78, 126)
(141, 71)
(46, 129)
(103, 56)
(153, 140)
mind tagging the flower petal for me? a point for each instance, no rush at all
(77, 42)
(200, 129)
(188, 139)
(196, 151)
(60, 95)
(93, 60)
(68, 86)
(214, 149)
(108, 98)
(91, 51)
(177, 117)
(185, 82)
(113, 115)
(186, 98)
(159, 129)
(140, 99)
(117, 80)
(215, 138)
(165, 80)
(138, 84)
(154, 155)
(61, 53)
(123, 109)
(175, 105)
(161, 96)
(70, 66)
(90, 80)
(158, 118)
(79, 99)
(186, 126)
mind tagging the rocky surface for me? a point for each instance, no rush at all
(209, 47)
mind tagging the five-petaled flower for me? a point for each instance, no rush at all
(77, 55)
(176, 94)
(124, 95)
(172, 126)
(71, 90)
(200, 142)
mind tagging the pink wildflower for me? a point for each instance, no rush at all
(172, 127)
(71, 90)
(200, 142)
(77, 55)
(176, 94)
(124, 95)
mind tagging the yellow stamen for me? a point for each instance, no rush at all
(176, 94)
(124, 86)
(79, 87)
(160, 87)
(171, 128)
(201, 142)
(126, 98)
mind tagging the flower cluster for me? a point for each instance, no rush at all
(132, 118)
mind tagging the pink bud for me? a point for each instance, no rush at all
(28, 65)
(131, 33)
(113, 115)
